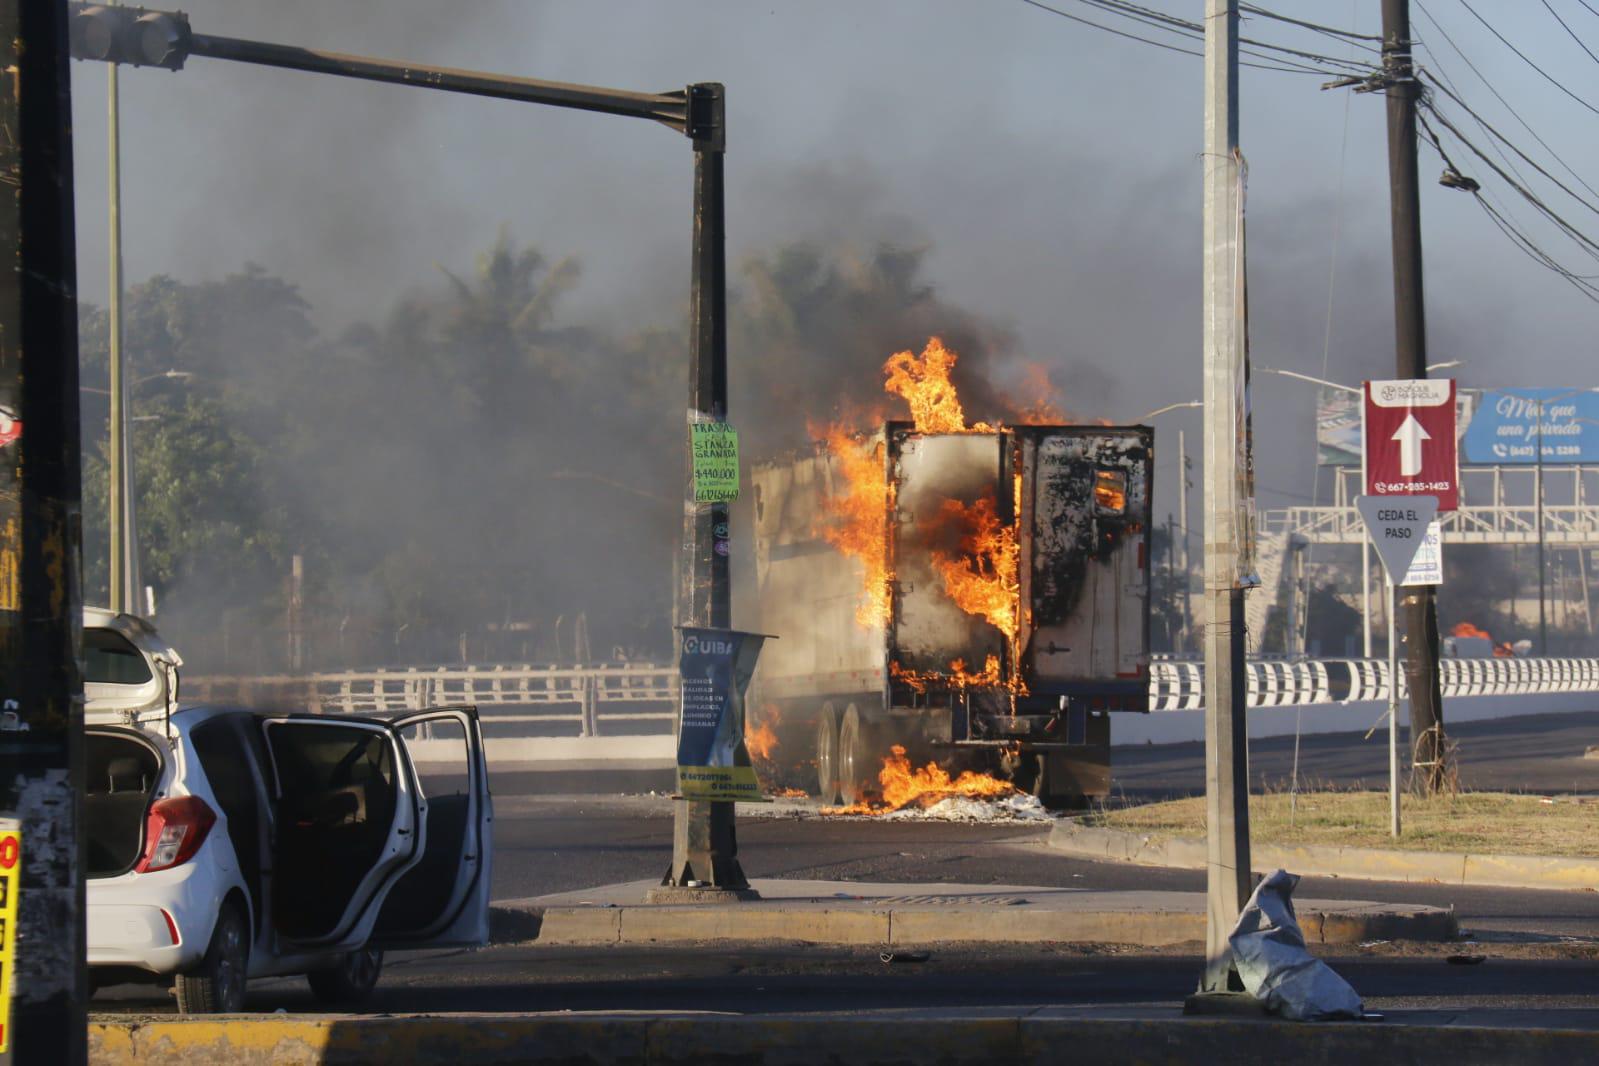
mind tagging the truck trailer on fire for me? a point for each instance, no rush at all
(979, 598)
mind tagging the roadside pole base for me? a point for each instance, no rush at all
(707, 894)
(1232, 1004)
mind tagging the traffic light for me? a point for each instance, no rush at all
(129, 35)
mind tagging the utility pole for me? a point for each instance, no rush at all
(1227, 866)
(41, 763)
(1417, 604)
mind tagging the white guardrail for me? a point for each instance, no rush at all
(591, 696)
(1178, 685)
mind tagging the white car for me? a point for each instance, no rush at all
(226, 844)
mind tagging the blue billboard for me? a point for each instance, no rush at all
(1506, 428)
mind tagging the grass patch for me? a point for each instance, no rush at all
(1480, 822)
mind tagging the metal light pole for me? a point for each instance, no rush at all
(124, 557)
(1227, 863)
(1537, 491)
(1182, 502)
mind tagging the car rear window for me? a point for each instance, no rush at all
(110, 658)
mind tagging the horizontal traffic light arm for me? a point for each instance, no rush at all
(670, 108)
(695, 111)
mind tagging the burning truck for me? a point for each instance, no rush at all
(974, 596)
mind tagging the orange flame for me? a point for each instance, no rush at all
(925, 385)
(984, 580)
(903, 785)
(956, 677)
(856, 520)
(1466, 629)
(759, 741)
(1039, 409)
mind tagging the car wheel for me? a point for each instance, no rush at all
(216, 986)
(350, 980)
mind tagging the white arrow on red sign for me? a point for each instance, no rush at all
(1410, 435)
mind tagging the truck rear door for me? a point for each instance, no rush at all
(934, 473)
(1085, 576)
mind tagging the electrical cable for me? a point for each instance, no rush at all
(1546, 75)
(1584, 283)
(1195, 32)
(1571, 32)
(1501, 137)
(1498, 96)
(1571, 231)
(1174, 24)
(1331, 31)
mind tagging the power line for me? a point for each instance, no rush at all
(1500, 97)
(1331, 31)
(1571, 32)
(1583, 283)
(1546, 75)
(1501, 137)
(1193, 31)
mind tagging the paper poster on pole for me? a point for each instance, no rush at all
(715, 669)
(1427, 568)
(715, 462)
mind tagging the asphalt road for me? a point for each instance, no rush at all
(790, 979)
(549, 839)
(1535, 753)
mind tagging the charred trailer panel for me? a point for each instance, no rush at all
(1026, 694)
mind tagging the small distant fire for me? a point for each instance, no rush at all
(904, 786)
(1466, 629)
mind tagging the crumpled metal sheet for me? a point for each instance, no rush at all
(1270, 956)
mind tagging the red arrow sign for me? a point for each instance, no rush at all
(1410, 440)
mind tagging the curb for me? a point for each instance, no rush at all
(515, 920)
(846, 1040)
(1317, 860)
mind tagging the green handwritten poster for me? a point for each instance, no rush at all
(715, 462)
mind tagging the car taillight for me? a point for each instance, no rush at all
(173, 831)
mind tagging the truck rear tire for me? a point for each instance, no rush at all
(827, 755)
(856, 776)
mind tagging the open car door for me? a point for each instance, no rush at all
(348, 825)
(443, 900)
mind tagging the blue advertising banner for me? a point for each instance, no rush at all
(715, 668)
(1506, 429)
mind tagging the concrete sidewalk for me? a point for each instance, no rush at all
(892, 915)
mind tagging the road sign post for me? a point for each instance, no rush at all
(1397, 528)
(1411, 450)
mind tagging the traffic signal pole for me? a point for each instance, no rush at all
(1416, 605)
(705, 848)
(41, 753)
